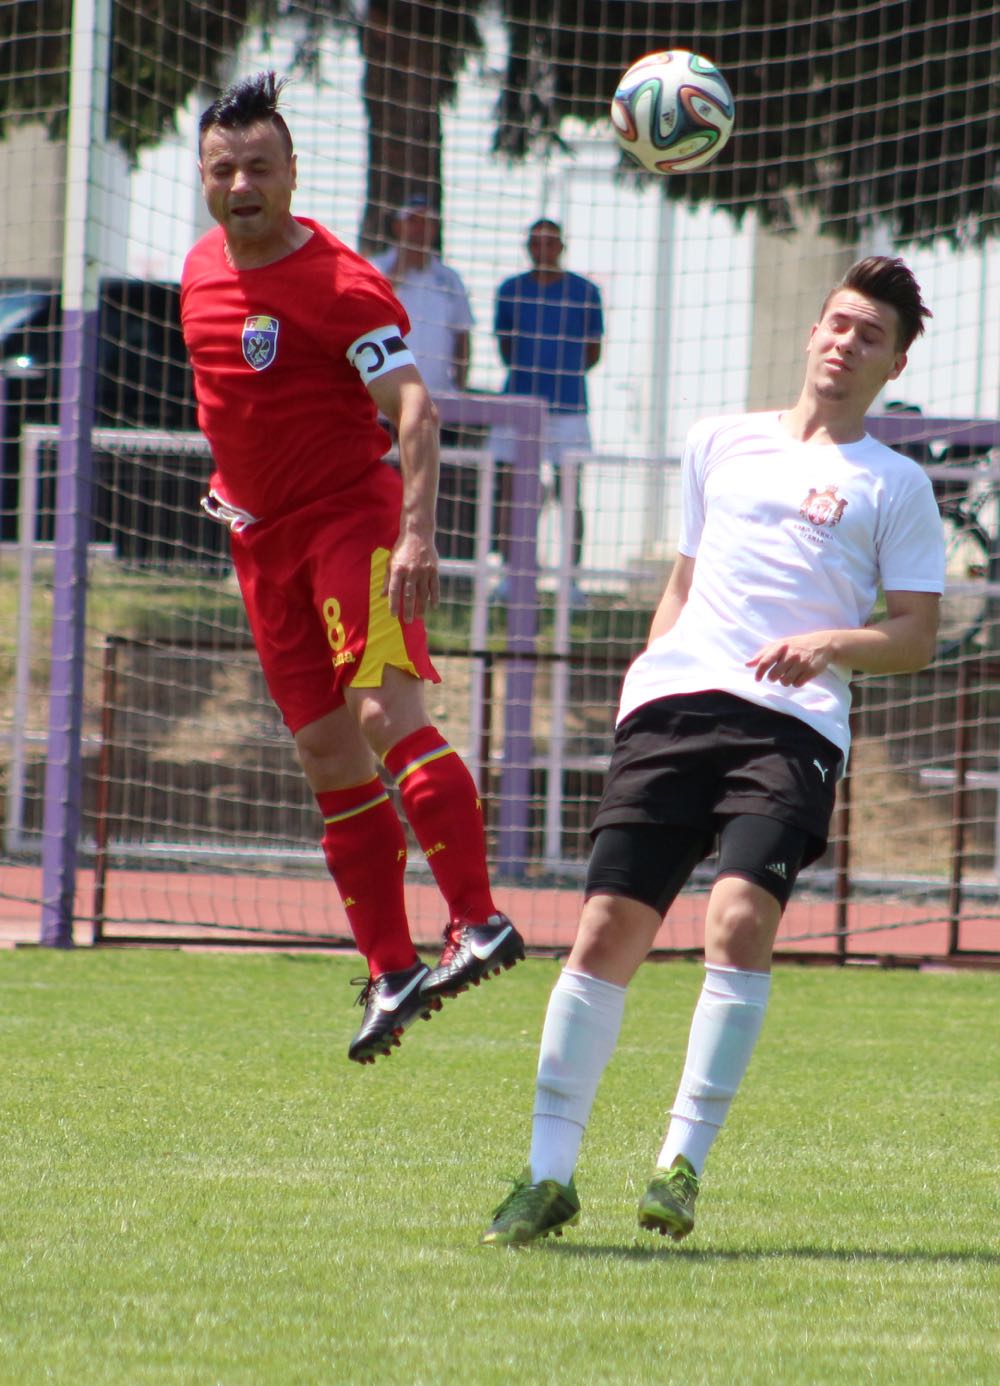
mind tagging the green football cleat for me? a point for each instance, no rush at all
(667, 1206)
(532, 1210)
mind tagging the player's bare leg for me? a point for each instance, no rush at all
(386, 714)
(613, 938)
(741, 924)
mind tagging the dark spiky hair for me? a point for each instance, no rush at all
(891, 281)
(246, 102)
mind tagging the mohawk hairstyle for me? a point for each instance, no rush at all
(890, 281)
(245, 103)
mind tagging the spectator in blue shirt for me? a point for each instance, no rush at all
(549, 325)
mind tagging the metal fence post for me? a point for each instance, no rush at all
(80, 286)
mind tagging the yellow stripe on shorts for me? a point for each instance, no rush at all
(385, 643)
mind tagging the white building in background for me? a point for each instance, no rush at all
(32, 225)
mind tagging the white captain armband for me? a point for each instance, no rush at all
(378, 352)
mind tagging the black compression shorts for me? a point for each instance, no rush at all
(652, 862)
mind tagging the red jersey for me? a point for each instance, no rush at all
(287, 415)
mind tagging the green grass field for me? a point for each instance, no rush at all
(196, 1186)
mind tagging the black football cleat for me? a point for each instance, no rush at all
(392, 1003)
(473, 952)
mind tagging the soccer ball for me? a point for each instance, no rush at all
(672, 112)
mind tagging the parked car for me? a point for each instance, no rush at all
(145, 504)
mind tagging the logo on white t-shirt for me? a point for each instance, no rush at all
(823, 507)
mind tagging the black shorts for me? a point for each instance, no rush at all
(698, 760)
(651, 862)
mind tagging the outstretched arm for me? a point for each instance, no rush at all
(900, 644)
(412, 575)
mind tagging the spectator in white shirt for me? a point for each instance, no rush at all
(440, 319)
(432, 294)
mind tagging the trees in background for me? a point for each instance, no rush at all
(858, 113)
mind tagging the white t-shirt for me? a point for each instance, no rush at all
(438, 306)
(789, 538)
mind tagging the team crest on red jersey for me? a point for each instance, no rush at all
(823, 507)
(260, 342)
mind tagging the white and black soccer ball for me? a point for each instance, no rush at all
(672, 112)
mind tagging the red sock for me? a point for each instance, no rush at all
(365, 850)
(442, 804)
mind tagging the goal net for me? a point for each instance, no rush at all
(142, 764)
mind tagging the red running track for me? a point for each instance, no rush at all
(172, 907)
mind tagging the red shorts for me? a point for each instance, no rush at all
(312, 586)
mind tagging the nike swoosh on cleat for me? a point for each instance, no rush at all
(482, 951)
(392, 1003)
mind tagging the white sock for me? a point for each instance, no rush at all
(724, 1030)
(579, 1036)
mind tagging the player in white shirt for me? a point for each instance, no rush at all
(733, 729)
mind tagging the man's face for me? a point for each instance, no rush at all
(417, 229)
(247, 177)
(853, 349)
(545, 247)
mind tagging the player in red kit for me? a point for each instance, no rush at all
(297, 344)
